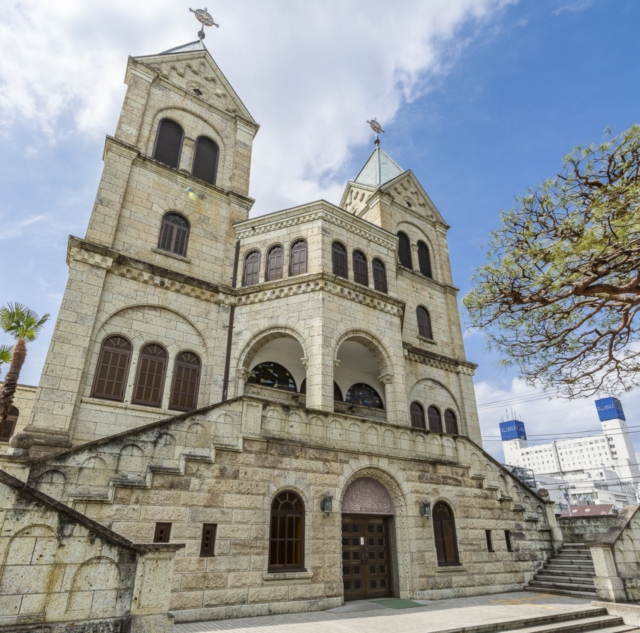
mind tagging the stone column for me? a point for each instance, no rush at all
(319, 366)
(186, 157)
(138, 79)
(609, 586)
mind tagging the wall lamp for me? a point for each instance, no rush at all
(425, 509)
(326, 503)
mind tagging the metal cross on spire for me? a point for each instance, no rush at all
(205, 19)
(377, 128)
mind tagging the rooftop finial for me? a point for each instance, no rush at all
(377, 128)
(205, 19)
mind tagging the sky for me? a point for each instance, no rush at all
(481, 99)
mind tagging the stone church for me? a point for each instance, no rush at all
(284, 399)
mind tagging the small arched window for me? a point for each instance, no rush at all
(417, 416)
(435, 420)
(444, 529)
(404, 250)
(186, 380)
(275, 259)
(205, 160)
(339, 259)
(174, 234)
(272, 375)
(112, 369)
(424, 260)
(379, 275)
(152, 369)
(8, 427)
(360, 272)
(286, 535)
(337, 392)
(364, 395)
(251, 268)
(450, 422)
(168, 143)
(298, 264)
(424, 322)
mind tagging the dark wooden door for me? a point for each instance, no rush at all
(366, 567)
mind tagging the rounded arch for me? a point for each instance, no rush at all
(384, 477)
(371, 342)
(259, 340)
(426, 381)
(415, 231)
(366, 495)
(286, 531)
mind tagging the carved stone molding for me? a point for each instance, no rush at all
(94, 259)
(438, 361)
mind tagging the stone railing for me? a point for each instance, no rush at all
(585, 529)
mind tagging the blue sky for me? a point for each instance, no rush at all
(480, 98)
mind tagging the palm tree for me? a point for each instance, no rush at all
(5, 354)
(24, 325)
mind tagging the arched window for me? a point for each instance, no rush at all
(272, 375)
(424, 260)
(186, 380)
(8, 427)
(360, 273)
(152, 369)
(435, 419)
(364, 395)
(450, 422)
(112, 369)
(275, 259)
(303, 386)
(251, 268)
(379, 275)
(417, 416)
(168, 143)
(205, 160)
(444, 529)
(424, 322)
(404, 250)
(298, 263)
(339, 259)
(286, 536)
(337, 393)
(174, 234)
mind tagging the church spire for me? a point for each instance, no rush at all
(379, 169)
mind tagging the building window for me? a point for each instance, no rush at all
(275, 260)
(417, 416)
(272, 375)
(360, 272)
(174, 234)
(450, 422)
(339, 259)
(186, 380)
(168, 143)
(379, 275)
(487, 534)
(251, 268)
(507, 538)
(404, 250)
(445, 535)
(113, 369)
(152, 368)
(8, 427)
(208, 542)
(435, 419)
(286, 537)
(337, 393)
(298, 264)
(162, 533)
(205, 160)
(364, 395)
(424, 323)
(424, 260)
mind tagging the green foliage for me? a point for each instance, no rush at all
(561, 290)
(21, 322)
(5, 354)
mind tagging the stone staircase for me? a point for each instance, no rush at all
(568, 572)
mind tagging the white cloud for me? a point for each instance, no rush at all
(573, 7)
(11, 230)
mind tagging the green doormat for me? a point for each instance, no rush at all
(397, 603)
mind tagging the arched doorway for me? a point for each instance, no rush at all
(367, 514)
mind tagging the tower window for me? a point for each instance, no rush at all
(168, 143)
(339, 260)
(298, 264)
(186, 380)
(417, 416)
(435, 419)
(198, 91)
(251, 268)
(112, 369)
(424, 323)
(174, 234)
(404, 250)
(379, 275)
(205, 160)
(275, 258)
(450, 422)
(152, 368)
(424, 260)
(360, 273)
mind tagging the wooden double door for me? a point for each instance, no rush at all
(366, 566)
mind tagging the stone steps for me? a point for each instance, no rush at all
(563, 584)
(550, 576)
(574, 593)
(599, 623)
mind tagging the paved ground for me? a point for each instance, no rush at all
(431, 616)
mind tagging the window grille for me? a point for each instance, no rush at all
(152, 367)
(112, 369)
(424, 323)
(168, 143)
(445, 535)
(360, 273)
(298, 265)
(424, 260)
(339, 259)
(417, 416)
(435, 419)
(450, 422)
(251, 268)
(186, 381)
(404, 250)
(286, 537)
(174, 234)
(205, 160)
(275, 258)
(379, 275)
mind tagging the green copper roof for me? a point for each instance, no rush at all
(380, 168)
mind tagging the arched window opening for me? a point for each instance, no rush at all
(404, 250)
(360, 272)
(286, 537)
(186, 380)
(337, 392)
(435, 419)
(112, 369)
(417, 416)
(152, 369)
(424, 323)
(364, 395)
(450, 422)
(339, 259)
(379, 275)
(272, 375)
(251, 268)
(424, 260)
(444, 529)
(275, 259)
(8, 427)
(205, 160)
(168, 143)
(174, 234)
(303, 387)
(298, 264)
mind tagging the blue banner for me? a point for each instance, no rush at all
(610, 409)
(512, 430)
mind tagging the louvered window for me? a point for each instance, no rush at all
(168, 143)
(286, 535)
(360, 273)
(424, 323)
(205, 160)
(298, 264)
(152, 368)
(208, 542)
(186, 380)
(251, 268)
(404, 250)
(339, 259)
(379, 275)
(275, 259)
(162, 533)
(112, 369)
(444, 529)
(435, 420)
(9, 425)
(417, 416)
(174, 234)
(450, 422)
(424, 260)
